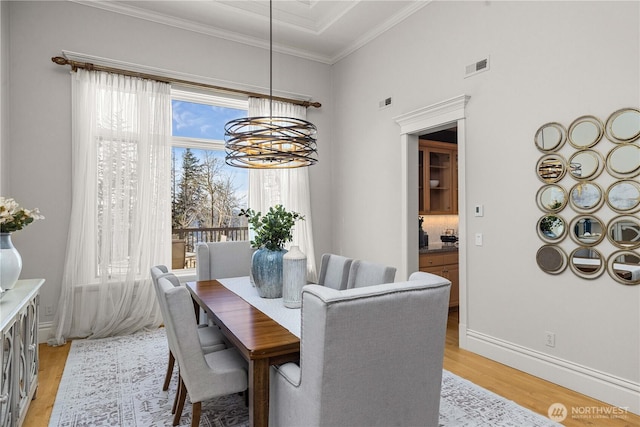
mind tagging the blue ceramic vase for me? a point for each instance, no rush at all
(266, 268)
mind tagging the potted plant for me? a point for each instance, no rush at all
(272, 230)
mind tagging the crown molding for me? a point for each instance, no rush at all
(184, 24)
(201, 28)
(380, 29)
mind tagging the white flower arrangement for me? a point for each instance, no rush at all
(13, 217)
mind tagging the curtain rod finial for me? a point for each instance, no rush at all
(60, 60)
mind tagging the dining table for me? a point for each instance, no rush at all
(264, 332)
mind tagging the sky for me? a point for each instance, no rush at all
(191, 120)
(202, 121)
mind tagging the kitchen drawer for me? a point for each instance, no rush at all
(429, 260)
(444, 265)
(438, 259)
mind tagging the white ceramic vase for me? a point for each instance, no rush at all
(294, 277)
(10, 262)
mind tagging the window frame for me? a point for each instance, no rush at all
(197, 97)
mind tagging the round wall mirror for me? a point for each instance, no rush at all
(586, 164)
(624, 161)
(551, 168)
(585, 197)
(552, 198)
(550, 137)
(623, 125)
(624, 232)
(624, 196)
(551, 259)
(552, 228)
(587, 263)
(586, 230)
(585, 132)
(624, 267)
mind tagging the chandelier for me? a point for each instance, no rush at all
(270, 142)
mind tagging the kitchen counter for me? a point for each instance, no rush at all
(438, 247)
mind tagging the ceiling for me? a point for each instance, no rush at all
(320, 30)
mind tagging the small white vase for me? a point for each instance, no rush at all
(294, 277)
(10, 262)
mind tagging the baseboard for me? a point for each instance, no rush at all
(44, 330)
(599, 385)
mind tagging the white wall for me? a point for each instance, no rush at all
(4, 98)
(550, 61)
(40, 114)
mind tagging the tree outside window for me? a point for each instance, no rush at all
(207, 194)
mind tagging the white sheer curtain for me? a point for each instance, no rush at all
(288, 187)
(120, 215)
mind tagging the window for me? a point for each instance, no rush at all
(206, 193)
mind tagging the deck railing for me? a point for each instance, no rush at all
(191, 236)
(185, 240)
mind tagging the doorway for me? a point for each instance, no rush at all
(433, 119)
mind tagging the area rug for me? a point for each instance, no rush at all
(118, 382)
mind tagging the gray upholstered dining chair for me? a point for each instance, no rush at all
(202, 376)
(158, 270)
(334, 271)
(369, 356)
(365, 273)
(218, 260)
(210, 337)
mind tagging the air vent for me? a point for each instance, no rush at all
(477, 67)
(384, 103)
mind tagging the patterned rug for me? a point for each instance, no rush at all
(118, 381)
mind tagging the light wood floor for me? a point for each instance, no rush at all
(526, 390)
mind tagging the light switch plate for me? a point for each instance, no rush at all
(478, 239)
(479, 210)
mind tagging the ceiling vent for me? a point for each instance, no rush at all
(477, 67)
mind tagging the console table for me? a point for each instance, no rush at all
(19, 309)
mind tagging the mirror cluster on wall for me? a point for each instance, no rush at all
(596, 180)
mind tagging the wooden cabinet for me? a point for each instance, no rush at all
(437, 161)
(19, 350)
(444, 264)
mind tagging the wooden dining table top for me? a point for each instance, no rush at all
(255, 334)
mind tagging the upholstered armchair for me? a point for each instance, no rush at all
(369, 356)
(218, 260)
